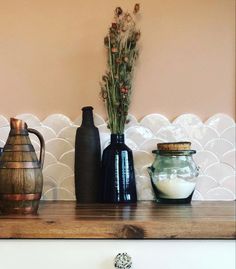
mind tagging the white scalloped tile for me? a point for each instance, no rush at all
(65, 194)
(142, 158)
(2, 144)
(98, 120)
(136, 172)
(58, 194)
(229, 158)
(205, 183)
(103, 129)
(49, 159)
(3, 121)
(144, 171)
(58, 146)
(172, 133)
(218, 194)
(138, 134)
(150, 145)
(132, 121)
(229, 134)
(104, 140)
(69, 184)
(48, 183)
(30, 119)
(68, 158)
(38, 153)
(219, 146)
(144, 181)
(220, 122)
(205, 158)
(51, 194)
(131, 144)
(154, 122)
(34, 138)
(144, 188)
(35, 145)
(47, 132)
(68, 133)
(195, 144)
(58, 171)
(4, 132)
(219, 171)
(57, 122)
(197, 196)
(203, 134)
(229, 183)
(188, 121)
(145, 194)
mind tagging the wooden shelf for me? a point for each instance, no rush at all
(144, 220)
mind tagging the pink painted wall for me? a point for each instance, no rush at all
(52, 56)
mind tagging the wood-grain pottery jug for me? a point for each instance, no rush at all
(21, 179)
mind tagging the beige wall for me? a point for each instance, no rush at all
(52, 56)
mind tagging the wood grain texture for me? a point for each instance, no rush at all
(144, 220)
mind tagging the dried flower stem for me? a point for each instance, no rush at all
(122, 51)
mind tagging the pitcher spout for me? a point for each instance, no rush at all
(17, 124)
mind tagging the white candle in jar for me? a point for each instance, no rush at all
(175, 188)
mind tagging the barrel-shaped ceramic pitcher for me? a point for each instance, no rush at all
(21, 179)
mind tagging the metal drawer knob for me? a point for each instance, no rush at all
(123, 261)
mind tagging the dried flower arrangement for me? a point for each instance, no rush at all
(122, 52)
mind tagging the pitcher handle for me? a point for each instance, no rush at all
(42, 145)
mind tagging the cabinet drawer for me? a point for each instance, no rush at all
(100, 254)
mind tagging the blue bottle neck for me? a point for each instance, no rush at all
(117, 138)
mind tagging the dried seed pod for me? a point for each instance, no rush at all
(137, 35)
(114, 25)
(104, 78)
(136, 8)
(106, 41)
(128, 18)
(104, 94)
(126, 59)
(118, 11)
(114, 50)
(118, 60)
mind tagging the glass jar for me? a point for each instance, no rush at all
(173, 173)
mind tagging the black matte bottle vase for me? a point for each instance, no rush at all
(118, 172)
(87, 160)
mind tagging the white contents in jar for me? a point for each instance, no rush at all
(175, 188)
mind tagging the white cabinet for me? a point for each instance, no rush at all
(99, 254)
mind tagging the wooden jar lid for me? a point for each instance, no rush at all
(174, 146)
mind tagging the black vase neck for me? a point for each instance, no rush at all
(87, 116)
(117, 138)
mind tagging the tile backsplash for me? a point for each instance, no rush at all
(214, 141)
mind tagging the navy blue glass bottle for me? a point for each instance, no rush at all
(118, 172)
